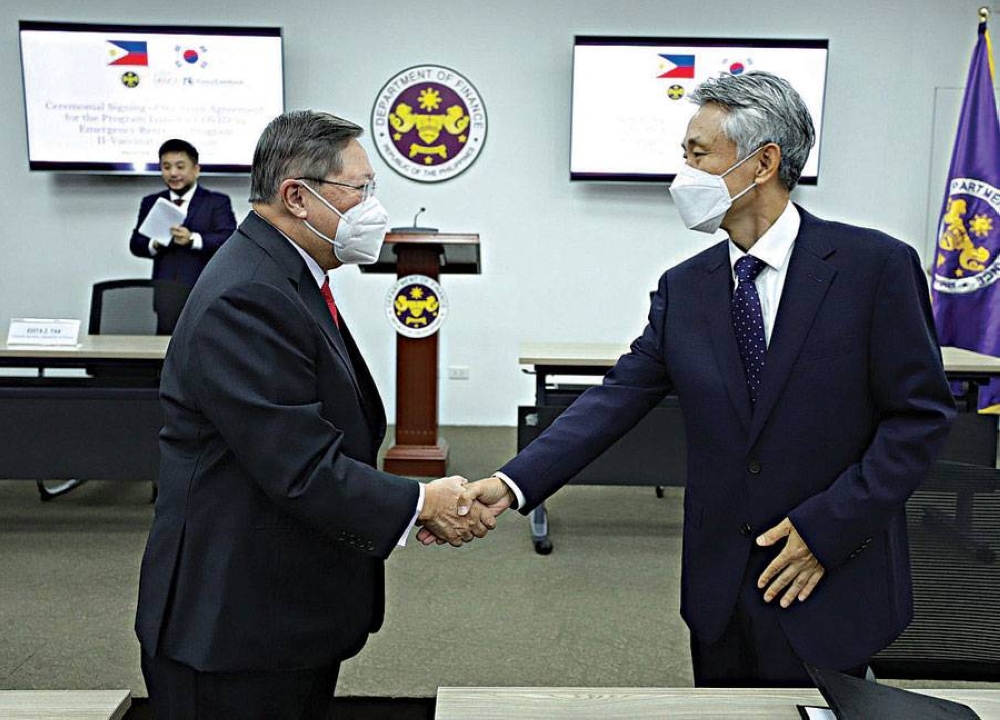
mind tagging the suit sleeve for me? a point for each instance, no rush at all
(139, 244)
(915, 408)
(221, 225)
(601, 415)
(252, 362)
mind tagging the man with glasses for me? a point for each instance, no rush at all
(264, 566)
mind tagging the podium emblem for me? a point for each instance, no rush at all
(416, 306)
(429, 123)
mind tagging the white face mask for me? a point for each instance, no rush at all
(702, 199)
(360, 233)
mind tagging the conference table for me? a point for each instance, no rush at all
(64, 704)
(640, 703)
(654, 452)
(100, 425)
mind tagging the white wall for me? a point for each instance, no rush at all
(561, 261)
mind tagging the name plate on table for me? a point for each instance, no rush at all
(34, 331)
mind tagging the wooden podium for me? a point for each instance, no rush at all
(418, 251)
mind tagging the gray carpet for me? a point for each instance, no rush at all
(602, 610)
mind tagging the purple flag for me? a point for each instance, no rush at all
(966, 291)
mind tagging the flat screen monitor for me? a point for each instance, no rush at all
(102, 98)
(630, 107)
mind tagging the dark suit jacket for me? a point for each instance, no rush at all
(271, 523)
(209, 213)
(853, 408)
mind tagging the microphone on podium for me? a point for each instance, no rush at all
(415, 228)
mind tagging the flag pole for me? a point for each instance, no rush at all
(984, 14)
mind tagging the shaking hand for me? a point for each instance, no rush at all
(489, 497)
(450, 514)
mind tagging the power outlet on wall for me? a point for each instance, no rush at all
(458, 372)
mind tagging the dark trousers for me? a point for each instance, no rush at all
(753, 651)
(179, 692)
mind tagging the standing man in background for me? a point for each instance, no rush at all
(264, 566)
(209, 222)
(809, 375)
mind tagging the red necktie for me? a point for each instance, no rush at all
(328, 296)
(179, 201)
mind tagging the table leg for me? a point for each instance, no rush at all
(539, 522)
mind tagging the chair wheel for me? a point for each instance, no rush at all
(543, 546)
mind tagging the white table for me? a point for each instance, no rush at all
(77, 428)
(658, 703)
(64, 704)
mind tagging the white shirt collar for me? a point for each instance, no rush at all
(775, 246)
(186, 197)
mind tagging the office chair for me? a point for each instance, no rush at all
(127, 307)
(954, 529)
(136, 307)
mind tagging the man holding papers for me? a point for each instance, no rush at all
(181, 227)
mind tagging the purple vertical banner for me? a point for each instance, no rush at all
(966, 291)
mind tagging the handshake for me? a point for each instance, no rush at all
(455, 511)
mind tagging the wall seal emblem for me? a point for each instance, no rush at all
(429, 123)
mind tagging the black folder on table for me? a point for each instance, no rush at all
(851, 698)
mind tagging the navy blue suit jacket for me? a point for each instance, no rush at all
(272, 523)
(853, 408)
(209, 213)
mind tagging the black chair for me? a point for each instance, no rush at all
(127, 307)
(136, 307)
(954, 529)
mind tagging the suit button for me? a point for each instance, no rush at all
(746, 530)
(754, 467)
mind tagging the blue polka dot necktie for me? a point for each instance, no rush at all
(748, 322)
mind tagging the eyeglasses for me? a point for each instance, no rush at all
(367, 190)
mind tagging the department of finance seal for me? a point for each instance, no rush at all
(429, 123)
(416, 306)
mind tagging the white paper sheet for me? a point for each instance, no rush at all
(817, 713)
(162, 216)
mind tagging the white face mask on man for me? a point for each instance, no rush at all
(360, 232)
(702, 199)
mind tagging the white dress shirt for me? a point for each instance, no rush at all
(319, 276)
(185, 200)
(775, 248)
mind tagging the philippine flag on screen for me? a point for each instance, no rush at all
(127, 52)
(683, 66)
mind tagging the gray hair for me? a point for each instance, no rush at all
(303, 143)
(763, 108)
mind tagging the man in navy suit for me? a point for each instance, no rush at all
(804, 356)
(264, 565)
(209, 221)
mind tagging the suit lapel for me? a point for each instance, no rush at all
(193, 206)
(371, 400)
(345, 347)
(809, 277)
(274, 244)
(727, 355)
(313, 300)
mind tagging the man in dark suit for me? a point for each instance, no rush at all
(209, 221)
(264, 565)
(805, 359)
